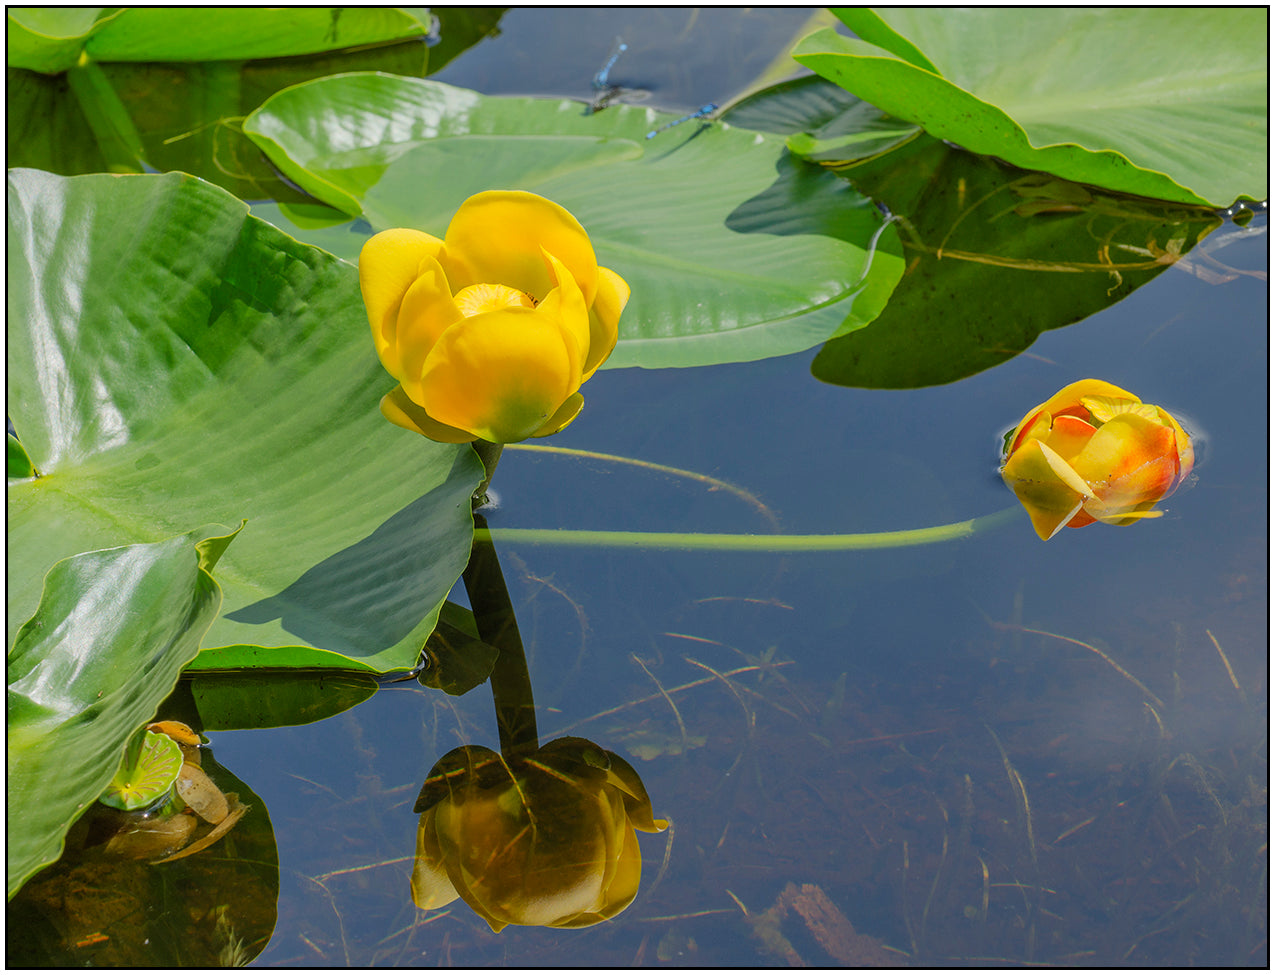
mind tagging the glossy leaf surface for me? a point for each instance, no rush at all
(1164, 103)
(112, 632)
(995, 256)
(172, 359)
(729, 257)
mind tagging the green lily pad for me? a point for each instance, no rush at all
(1050, 251)
(146, 773)
(51, 39)
(1166, 103)
(822, 119)
(109, 638)
(698, 219)
(172, 359)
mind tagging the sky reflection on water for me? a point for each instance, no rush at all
(961, 789)
(793, 773)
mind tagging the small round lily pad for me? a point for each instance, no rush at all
(147, 773)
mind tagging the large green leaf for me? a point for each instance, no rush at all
(1050, 251)
(725, 263)
(112, 633)
(1167, 103)
(174, 360)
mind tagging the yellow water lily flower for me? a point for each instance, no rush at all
(1095, 452)
(544, 838)
(490, 331)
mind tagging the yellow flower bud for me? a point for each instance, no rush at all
(1094, 452)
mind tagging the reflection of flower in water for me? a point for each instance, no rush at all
(544, 837)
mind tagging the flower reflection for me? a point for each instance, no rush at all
(542, 837)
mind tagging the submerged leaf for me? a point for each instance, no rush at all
(200, 794)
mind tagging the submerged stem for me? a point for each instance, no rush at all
(712, 542)
(712, 483)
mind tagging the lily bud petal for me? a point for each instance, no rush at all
(1095, 452)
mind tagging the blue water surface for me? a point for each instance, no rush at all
(960, 790)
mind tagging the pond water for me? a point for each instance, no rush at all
(985, 752)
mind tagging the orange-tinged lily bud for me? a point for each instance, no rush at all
(1094, 452)
(546, 838)
(492, 330)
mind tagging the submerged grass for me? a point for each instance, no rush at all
(818, 820)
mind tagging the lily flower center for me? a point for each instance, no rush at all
(479, 298)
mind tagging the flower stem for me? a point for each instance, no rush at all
(489, 454)
(494, 617)
(712, 542)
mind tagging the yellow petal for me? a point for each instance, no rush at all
(567, 412)
(623, 867)
(388, 265)
(565, 304)
(1034, 426)
(624, 883)
(1068, 436)
(1132, 516)
(1131, 460)
(1104, 408)
(502, 375)
(637, 804)
(398, 408)
(1068, 398)
(1046, 486)
(496, 237)
(1186, 453)
(427, 311)
(479, 298)
(604, 318)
